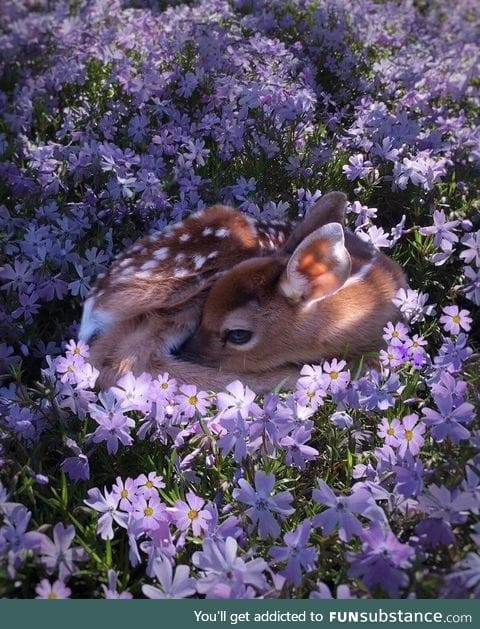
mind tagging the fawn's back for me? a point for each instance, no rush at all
(151, 298)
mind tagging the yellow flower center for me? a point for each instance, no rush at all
(390, 431)
(395, 334)
(124, 493)
(415, 344)
(192, 514)
(193, 399)
(333, 375)
(310, 394)
(164, 385)
(456, 319)
(77, 351)
(148, 512)
(390, 356)
(409, 435)
(149, 484)
(52, 596)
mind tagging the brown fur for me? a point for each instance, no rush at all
(309, 324)
(154, 311)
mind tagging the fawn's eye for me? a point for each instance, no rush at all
(238, 337)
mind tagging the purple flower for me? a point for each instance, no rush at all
(113, 426)
(299, 556)
(107, 504)
(223, 574)
(15, 541)
(468, 572)
(173, 585)
(149, 485)
(191, 401)
(125, 492)
(110, 590)
(382, 560)
(234, 436)
(421, 169)
(149, 514)
(52, 591)
(453, 353)
(133, 392)
(297, 453)
(395, 334)
(76, 467)
(190, 514)
(323, 592)
(238, 399)
(455, 319)
(448, 423)
(357, 168)
(341, 510)
(441, 230)
(409, 476)
(413, 304)
(444, 509)
(390, 431)
(57, 555)
(472, 251)
(263, 504)
(336, 378)
(410, 436)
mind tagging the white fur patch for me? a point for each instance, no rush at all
(208, 231)
(222, 233)
(161, 253)
(151, 264)
(143, 275)
(199, 261)
(360, 274)
(184, 237)
(93, 321)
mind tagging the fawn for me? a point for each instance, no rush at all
(222, 296)
(151, 299)
(325, 293)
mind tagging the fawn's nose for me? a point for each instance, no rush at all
(190, 350)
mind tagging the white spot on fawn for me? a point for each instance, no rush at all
(208, 231)
(222, 233)
(93, 321)
(147, 266)
(199, 261)
(180, 272)
(161, 253)
(184, 237)
(212, 255)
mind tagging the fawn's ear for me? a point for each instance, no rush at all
(329, 209)
(318, 267)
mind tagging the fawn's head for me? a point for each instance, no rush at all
(324, 293)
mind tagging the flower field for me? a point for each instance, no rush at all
(119, 117)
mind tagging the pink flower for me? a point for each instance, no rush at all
(151, 513)
(390, 431)
(52, 591)
(190, 401)
(149, 485)
(454, 319)
(190, 513)
(411, 435)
